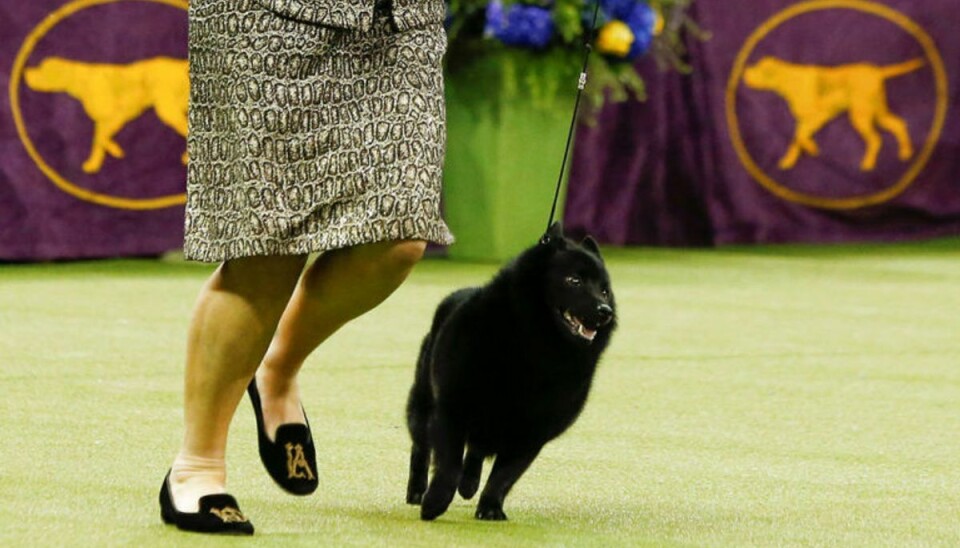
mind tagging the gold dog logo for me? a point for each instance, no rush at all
(111, 95)
(816, 95)
(114, 95)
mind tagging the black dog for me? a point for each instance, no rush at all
(506, 368)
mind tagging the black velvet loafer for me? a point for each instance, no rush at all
(219, 514)
(291, 460)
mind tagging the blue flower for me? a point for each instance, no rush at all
(641, 20)
(519, 25)
(618, 9)
(495, 19)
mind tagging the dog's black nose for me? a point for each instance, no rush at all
(604, 314)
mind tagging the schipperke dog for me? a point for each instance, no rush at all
(504, 369)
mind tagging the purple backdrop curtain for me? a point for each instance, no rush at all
(668, 171)
(70, 67)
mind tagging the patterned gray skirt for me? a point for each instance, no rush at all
(305, 138)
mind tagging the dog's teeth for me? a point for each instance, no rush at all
(588, 334)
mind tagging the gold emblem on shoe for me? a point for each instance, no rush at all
(297, 465)
(229, 514)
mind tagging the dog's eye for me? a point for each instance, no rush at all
(573, 281)
(605, 294)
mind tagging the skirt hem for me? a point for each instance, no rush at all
(437, 233)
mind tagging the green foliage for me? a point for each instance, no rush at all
(568, 20)
(555, 69)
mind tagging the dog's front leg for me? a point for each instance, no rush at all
(507, 469)
(792, 155)
(419, 466)
(472, 468)
(103, 143)
(447, 440)
(97, 152)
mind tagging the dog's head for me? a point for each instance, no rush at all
(577, 287)
(764, 74)
(52, 74)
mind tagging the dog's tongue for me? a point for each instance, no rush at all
(586, 333)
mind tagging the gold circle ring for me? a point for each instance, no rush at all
(863, 6)
(16, 75)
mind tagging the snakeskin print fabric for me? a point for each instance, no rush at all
(409, 14)
(307, 137)
(358, 14)
(345, 14)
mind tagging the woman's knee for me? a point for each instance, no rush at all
(405, 254)
(381, 259)
(266, 278)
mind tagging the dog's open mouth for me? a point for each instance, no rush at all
(577, 328)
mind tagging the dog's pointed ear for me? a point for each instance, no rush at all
(555, 230)
(591, 245)
(554, 234)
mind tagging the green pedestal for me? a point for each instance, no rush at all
(508, 115)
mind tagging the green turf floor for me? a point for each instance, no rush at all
(752, 396)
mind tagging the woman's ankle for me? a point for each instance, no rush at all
(275, 384)
(279, 400)
(192, 477)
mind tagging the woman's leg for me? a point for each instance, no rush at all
(340, 286)
(234, 320)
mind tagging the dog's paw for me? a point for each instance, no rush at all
(490, 513)
(429, 512)
(435, 502)
(468, 486)
(787, 162)
(91, 166)
(414, 497)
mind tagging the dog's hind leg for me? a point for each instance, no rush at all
(418, 416)
(507, 469)
(898, 127)
(175, 117)
(447, 440)
(419, 409)
(472, 468)
(862, 121)
(419, 465)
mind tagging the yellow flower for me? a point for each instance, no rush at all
(615, 38)
(658, 11)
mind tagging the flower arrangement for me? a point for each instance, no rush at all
(553, 33)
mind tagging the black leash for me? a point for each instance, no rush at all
(582, 83)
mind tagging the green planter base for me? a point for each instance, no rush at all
(506, 130)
